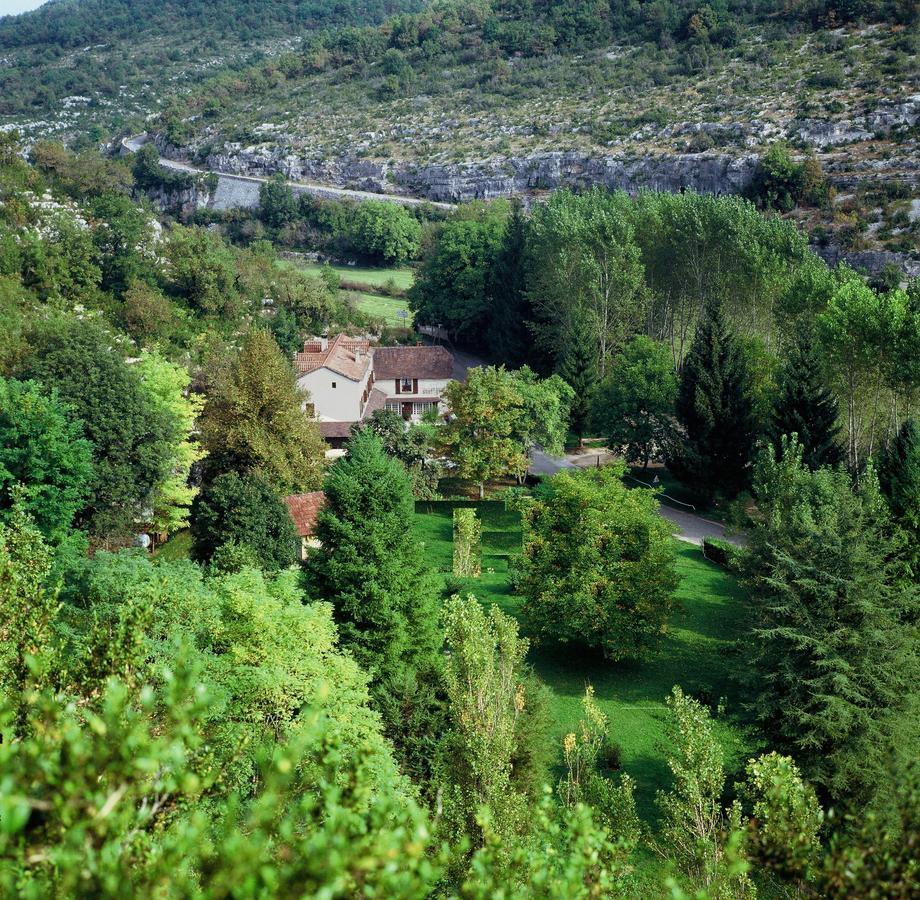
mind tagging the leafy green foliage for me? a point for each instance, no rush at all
(132, 438)
(598, 565)
(452, 288)
(42, 449)
(244, 509)
(785, 818)
(467, 543)
(634, 406)
(484, 682)
(253, 420)
(584, 274)
(783, 183)
(497, 416)
(385, 232)
(696, 827)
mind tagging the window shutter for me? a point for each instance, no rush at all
(397, 386)
(414, 385)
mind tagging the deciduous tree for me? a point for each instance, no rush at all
(43, 450)
(634, 406)
(253, 420)
(598, 564)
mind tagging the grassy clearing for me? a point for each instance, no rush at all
(401, 278)
(382, 307)
(696, 653)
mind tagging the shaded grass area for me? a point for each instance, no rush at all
(179, 546)
(696, 653)
(382, 307)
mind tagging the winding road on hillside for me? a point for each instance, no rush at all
(322, 191)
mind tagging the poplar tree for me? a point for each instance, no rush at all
(804, 406)
(714, 408)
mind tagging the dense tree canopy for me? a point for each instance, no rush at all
(253, 420)
(714, 449)
(43, 453)
(244, 510)
(131, 436)
(598, 564)
(831, 648)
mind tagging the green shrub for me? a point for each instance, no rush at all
(720, 552)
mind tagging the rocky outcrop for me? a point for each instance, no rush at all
(711, 173)
(871, 261)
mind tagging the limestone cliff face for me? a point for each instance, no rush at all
(710, 173)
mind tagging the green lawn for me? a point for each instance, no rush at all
(696, 652)
(402, 278)
(382, 307)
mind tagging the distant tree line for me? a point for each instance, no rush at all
(690, 327)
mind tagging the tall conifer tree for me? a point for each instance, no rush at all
(899, 476)
(509, 339)
(714, 407)
(577, 364)
(383, 595)
(804, 406)
(831, 653)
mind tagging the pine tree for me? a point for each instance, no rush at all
(383, 595)
(577, 364)
(831, 656)
(509, 339)
(899, 477)
(804, 406)
(715, 410)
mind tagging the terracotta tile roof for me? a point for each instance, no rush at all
(343, 354)
(304, 510)
(413, 362)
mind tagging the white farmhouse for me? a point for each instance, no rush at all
(413, 378)
(348, 380)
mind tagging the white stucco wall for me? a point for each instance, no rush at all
(341, 403)
(427, 387)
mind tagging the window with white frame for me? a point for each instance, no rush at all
(405, 385)
(419, 408)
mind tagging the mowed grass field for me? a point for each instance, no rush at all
(401, 278)
(359, 283)
(696, 653)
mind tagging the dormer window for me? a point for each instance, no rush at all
(405, 386)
